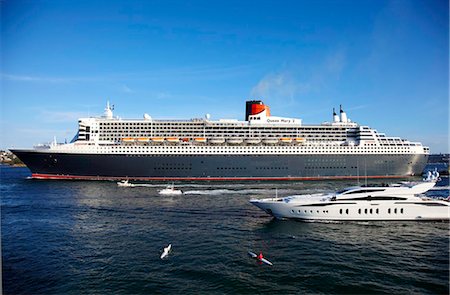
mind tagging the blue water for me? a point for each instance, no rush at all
(86, 237)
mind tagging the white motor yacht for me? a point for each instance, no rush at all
(396, 202)
(170, 190)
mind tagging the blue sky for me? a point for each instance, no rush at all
(387, 62)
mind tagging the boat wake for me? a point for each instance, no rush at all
(230, 192)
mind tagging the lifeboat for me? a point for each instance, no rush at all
(217, 140)
(143, 139)
(253, 140)
(200, 139)
(286, 140)
(270, 140)
(185, 139)
(235, 140)
(173, 139)
(300, 140)
(128, 139)
(157, 139)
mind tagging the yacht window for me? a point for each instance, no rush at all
(342, 191)
(378, 198)
(360, 191)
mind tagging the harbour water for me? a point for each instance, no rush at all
(78, 237)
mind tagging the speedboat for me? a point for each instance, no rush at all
(125, 183)
(170, 191)
(363, 203)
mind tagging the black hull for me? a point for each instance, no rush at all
(219, 167)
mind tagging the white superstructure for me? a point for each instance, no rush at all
(261, 134)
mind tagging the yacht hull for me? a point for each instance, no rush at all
(358, 211)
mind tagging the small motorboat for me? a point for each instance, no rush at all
(170, 191)
(125, 183)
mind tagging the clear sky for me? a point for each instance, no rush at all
(387, 62)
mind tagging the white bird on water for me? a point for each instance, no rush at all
(166, 251)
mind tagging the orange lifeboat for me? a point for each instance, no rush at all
(300, 140)
(286, 140)
(128, 139)
(143, 139)
(173, 139)
(157, 139)
(200, 139)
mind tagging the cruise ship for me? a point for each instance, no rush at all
(262, 147)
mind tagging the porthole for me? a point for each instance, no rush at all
(340, 211)
(395, 211)
(359, 211)
(365, 211)
(370, 210)
(346, 211)
(401, 210)
(389, 211)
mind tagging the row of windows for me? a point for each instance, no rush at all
(172, 168)
(310, 211)
(200, 125)
(234, 126)
(226, 131)
(262, 147)
(372, 211)
(307, 167)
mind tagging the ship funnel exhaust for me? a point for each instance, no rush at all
(343, 115)
(335, 116)
(255, 107)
